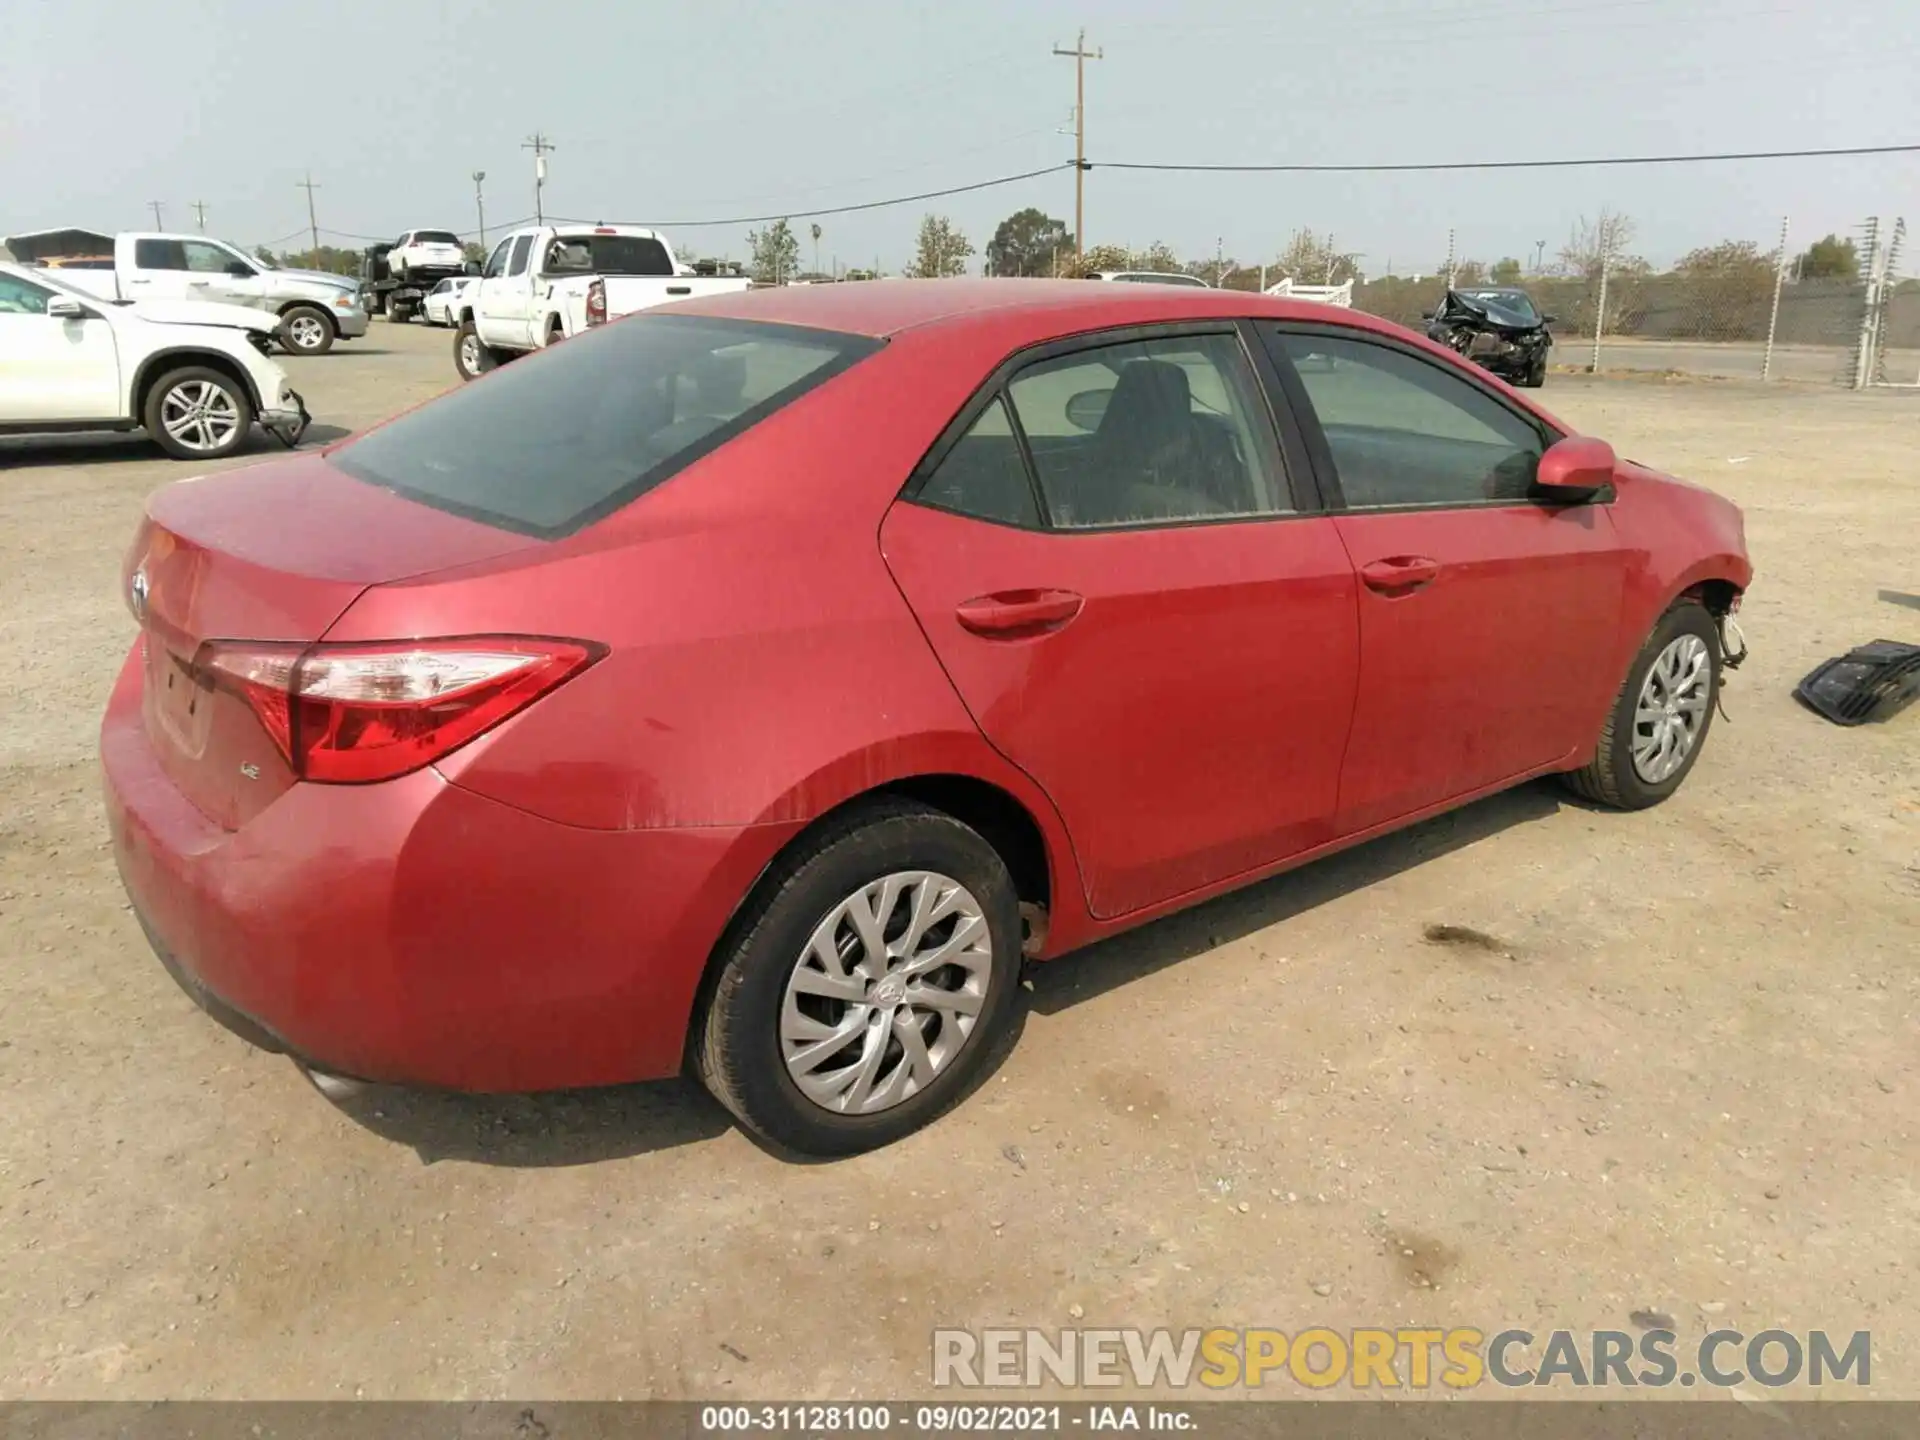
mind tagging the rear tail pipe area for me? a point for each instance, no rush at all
(337, 1088)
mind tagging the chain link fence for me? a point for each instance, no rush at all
(1732, 311)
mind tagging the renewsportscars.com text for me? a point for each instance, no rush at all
(1461, 1358)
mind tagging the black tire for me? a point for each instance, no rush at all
(237, 401)
(485, 358)
(736, 1040)
(399, 313)
(311, 324)
(1611, 778)
(376, 303)
(1536, 375)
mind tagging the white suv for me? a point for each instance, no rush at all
(195, 376)
(421, 254)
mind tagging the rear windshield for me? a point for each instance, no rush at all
(607, 255)
(435, 237)
(566, 436)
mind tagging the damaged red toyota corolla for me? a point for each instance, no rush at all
(746, 685)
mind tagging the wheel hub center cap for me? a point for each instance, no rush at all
(890, 991)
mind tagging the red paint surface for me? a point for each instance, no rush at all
(783, 636)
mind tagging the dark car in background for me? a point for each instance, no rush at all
(1499, 328)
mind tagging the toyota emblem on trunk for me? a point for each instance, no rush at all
(137, 592)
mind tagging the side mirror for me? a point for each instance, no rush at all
(62, 307)
(1575, 469)
(1428, 314)
(1549, 319)
(240, 270)
(1086, 410)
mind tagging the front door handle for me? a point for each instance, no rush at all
(1399, 574)
(1019, 614)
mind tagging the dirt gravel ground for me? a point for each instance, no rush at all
(1684, 1079)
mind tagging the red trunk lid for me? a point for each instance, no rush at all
(271, 553)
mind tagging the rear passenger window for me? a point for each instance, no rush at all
(983, 475)
(159, 255)
(518, 265)
(1150, 431)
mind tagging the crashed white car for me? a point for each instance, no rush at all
(194, 375)
(423, 254)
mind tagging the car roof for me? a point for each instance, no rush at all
(1044, 306)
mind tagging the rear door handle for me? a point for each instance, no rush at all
(1019, 614)
(679, 289)
(1400, 573)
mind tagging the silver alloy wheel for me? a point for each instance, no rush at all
(200, 415)
(306, 332)
(1672, 708)
(470, 353)
(886, 992)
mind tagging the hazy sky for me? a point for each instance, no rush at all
(719, 108)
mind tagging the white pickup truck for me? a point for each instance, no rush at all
(548, 283)
(314, 308)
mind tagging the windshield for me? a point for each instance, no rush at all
(1514, 300)
(607, 255)
(435, 237)
(569, 435)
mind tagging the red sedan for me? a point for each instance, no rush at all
(747, 686)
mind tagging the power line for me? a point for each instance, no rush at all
(1300, 169)
(832, 209)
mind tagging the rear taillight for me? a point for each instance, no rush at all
(597, 303)
(348, 714)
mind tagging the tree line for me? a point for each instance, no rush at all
(1031, 243)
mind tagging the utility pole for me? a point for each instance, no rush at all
(157, 223)
(200, 216)
(1080, 55)
(312, 224)
(541, 147)
(480, 204)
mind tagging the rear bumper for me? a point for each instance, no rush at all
(412, 932)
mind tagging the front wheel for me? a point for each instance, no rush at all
(197, 413)
(1660, 719)
(470, 357)
(862, 993)
(306, 330)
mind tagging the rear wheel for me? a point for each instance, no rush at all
(306, 330)
(1660, 719)
(198, 413)
(861, 994)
